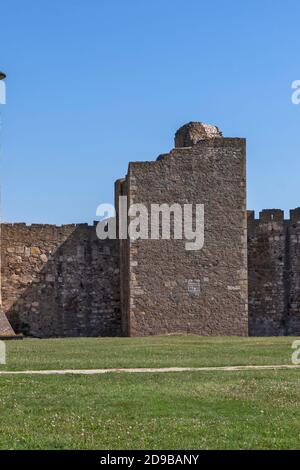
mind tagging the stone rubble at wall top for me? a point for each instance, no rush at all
(193, 132)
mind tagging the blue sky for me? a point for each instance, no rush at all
(93, 84)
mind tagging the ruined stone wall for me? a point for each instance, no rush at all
(274, 273)
(173, 290)
(60, 281)
(64, 281)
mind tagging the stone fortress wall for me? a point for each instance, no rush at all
(274, 273)
(60, 281)
(167, 289)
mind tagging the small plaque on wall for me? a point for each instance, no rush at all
(193, 287)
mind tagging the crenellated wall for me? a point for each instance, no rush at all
(274, 273)
(64, 281)
(60, 281)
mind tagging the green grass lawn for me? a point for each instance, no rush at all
(166, 351)
(233, 410)
(190, 410)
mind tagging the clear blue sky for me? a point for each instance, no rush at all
(93, 84)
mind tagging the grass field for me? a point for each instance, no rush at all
(190, 410)
(178, 351)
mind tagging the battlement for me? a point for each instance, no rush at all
(295, 216)
(274, 215)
